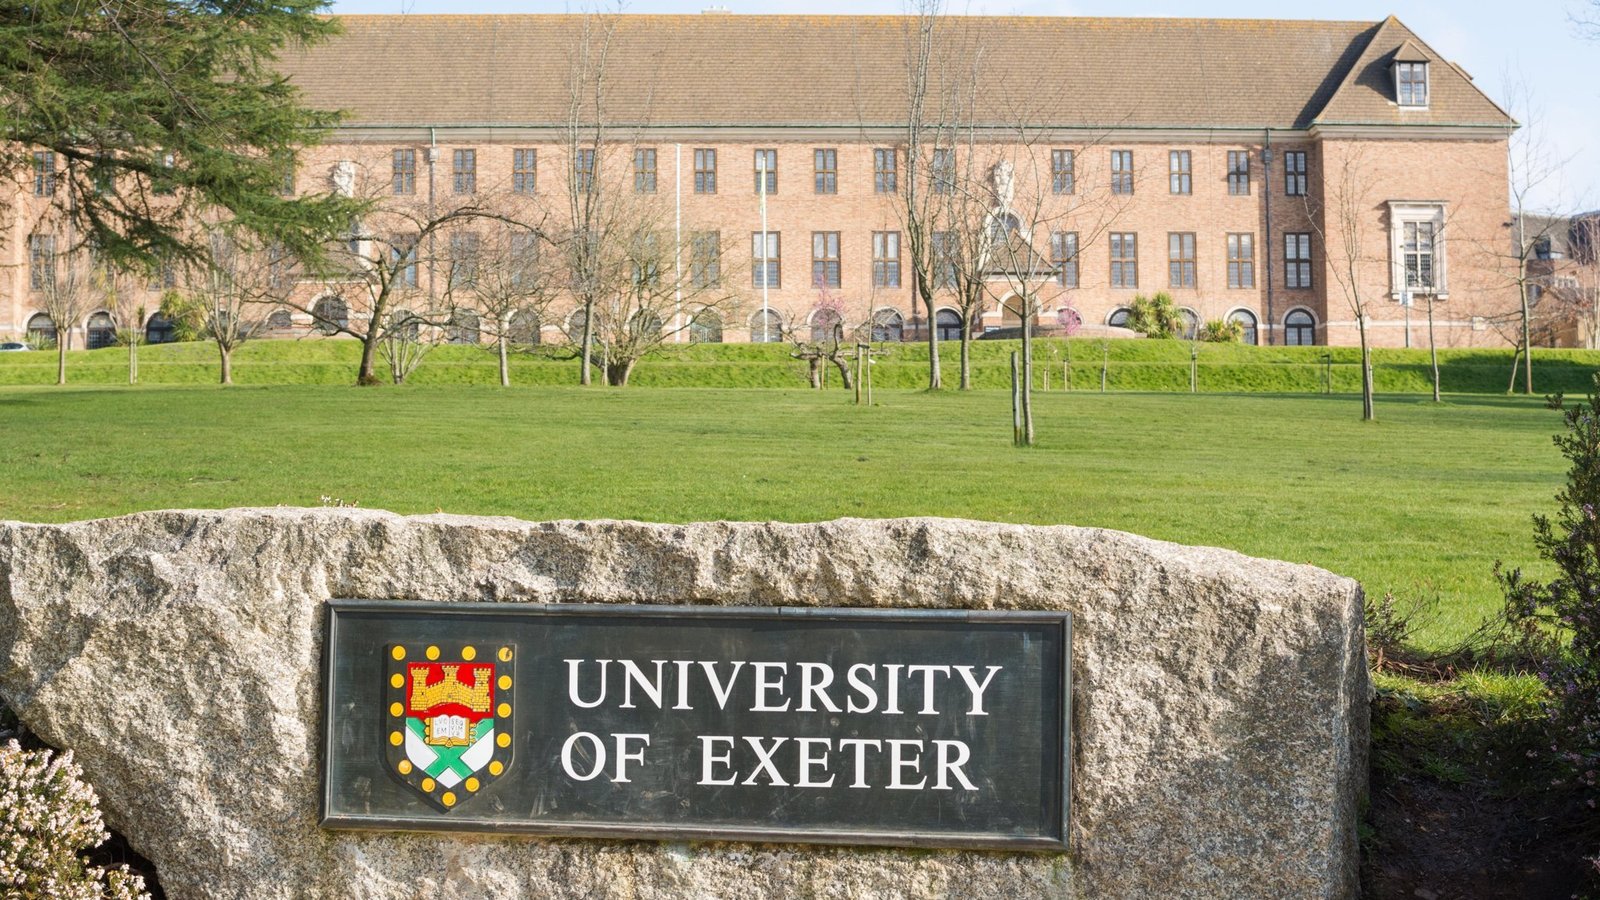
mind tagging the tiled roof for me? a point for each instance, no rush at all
(723, 70)
(1366, 96)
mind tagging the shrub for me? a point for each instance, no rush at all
(48, 814)
(1558, 621)
(1222, 331)
(1157, 316)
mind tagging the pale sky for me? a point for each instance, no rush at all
(1532, 42)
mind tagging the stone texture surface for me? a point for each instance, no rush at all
(1220, 716)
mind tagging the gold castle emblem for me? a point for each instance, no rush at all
(426, 696)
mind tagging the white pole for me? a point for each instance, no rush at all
(762, 188)
(677, 243)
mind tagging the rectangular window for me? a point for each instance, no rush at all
(1413, 78)
(463, 259)
(44, 173)
(1122, 171)
(524, 171)
(1124, 260)
(1180, 165)
(1241, 260)
(944, 171)
(583, 170)
(1294, 173)
(1239, 172)
(1418, 252)
(403, 259)
(705, 171)
(524, 253)
(766, 163)
(644, 170)
(41, 260)
(705, 258)
(884, 171)
(405, 171)
(1180, 259)
(824, 259)
(766, 261)
(886, 259)
(827, 165)
(1064, 256)
(944, 259)
(464, 171)
(1061, 172)
(1297, 260)
(287, 187)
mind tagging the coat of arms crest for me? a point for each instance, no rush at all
(448, 721)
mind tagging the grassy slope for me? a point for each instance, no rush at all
(1421, 502)
(1133, 365)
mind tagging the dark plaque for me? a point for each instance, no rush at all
(821, 725)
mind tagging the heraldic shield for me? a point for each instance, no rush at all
(448, 718)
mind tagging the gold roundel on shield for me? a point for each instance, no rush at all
(503, 739)
(505, 682)
(505, 654)
(399, 652)
(469, 653)
(496, 767)
(472, 784)
(432, 652)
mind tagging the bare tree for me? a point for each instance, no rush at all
(129, 303)
(516, 287)
(384, 276)
(1532, 170)
(1341, 225)
(228, 292)
(66, 286)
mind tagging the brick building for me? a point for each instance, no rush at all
(1260, 171)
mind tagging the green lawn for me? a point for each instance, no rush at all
(1420, 503)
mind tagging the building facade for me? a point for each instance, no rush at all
(1287, 176)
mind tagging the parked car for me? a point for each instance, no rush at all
(12, 346)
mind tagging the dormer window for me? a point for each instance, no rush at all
(1411, 79)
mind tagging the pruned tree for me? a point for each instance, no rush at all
(823, 336)
(129, 302)
(136, 119)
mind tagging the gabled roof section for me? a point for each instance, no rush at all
(1367, 94)
(713, 71)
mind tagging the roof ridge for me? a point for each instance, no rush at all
(723, 17)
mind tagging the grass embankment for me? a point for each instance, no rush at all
(1131, 365)
(1420, 503)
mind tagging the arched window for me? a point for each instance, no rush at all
(280, 321)
(41, 330)
(524, 327)
(575, 323)
(1069, 319)
(705, 327)
(463, 327)
(1247, 321)
(404, 324)
(948, 323)
(766, 327)
(646, 323)
(887, 325)
(331, 314)
(1119, 317)
(1011, 312)
(160, 330)
(1299, 329)
(1002, 226)
(100, 331)
(825, 324)
(1191, 323)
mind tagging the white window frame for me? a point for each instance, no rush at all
(1402, 212)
